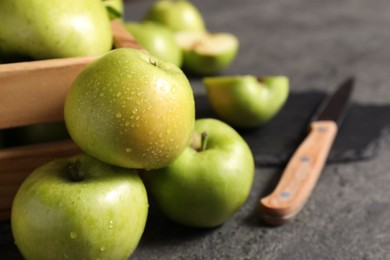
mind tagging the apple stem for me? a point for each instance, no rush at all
(76, 174)
(154, 63)
(203, 141)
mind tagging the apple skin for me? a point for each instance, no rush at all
(59, 28)
(102, 216)
(158, 40)
(207, 53)
(179, 15)
(131, 109)
(246, 101)
(205, 188)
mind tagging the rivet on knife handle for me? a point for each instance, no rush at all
(300, 175)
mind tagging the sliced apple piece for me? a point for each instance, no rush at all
(207, 53)
(246, 101)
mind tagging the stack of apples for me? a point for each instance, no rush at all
(132, 113)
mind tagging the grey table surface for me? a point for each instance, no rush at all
(316, 44)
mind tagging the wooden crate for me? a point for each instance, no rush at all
(34, 92)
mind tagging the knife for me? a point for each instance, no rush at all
(305, 166)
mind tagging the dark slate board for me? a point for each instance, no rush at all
(274, 142)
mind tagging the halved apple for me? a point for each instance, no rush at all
(207, 53)
(246, 101)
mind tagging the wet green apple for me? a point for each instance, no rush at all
(54, 29)
(179, 15)
(79, 208)
(207, 53)
(209, 182)
(246, 101)
(131, 109)
(157, 39)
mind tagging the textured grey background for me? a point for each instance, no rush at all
(316, 44)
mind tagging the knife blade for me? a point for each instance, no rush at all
(305, 166)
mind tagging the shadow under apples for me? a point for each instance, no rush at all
(8, 248)
(161, 231)
(263, 185)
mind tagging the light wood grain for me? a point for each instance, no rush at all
(301, 174)
(34, 92)
(17, 163)
(122, 38)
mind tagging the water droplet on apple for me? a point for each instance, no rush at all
(73, 235)
(134, 111)
(102, 248)
(118, 115)
(118, 94)
(111, 225)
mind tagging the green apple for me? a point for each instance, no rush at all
(209, 182)
(179, 15)
(131, 109)
(246, 101)
(207, 53)
(39, 133)
(79, 208)
(115, 8)
(157, 39)
(54, 29)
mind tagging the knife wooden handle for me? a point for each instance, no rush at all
(300, 175)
